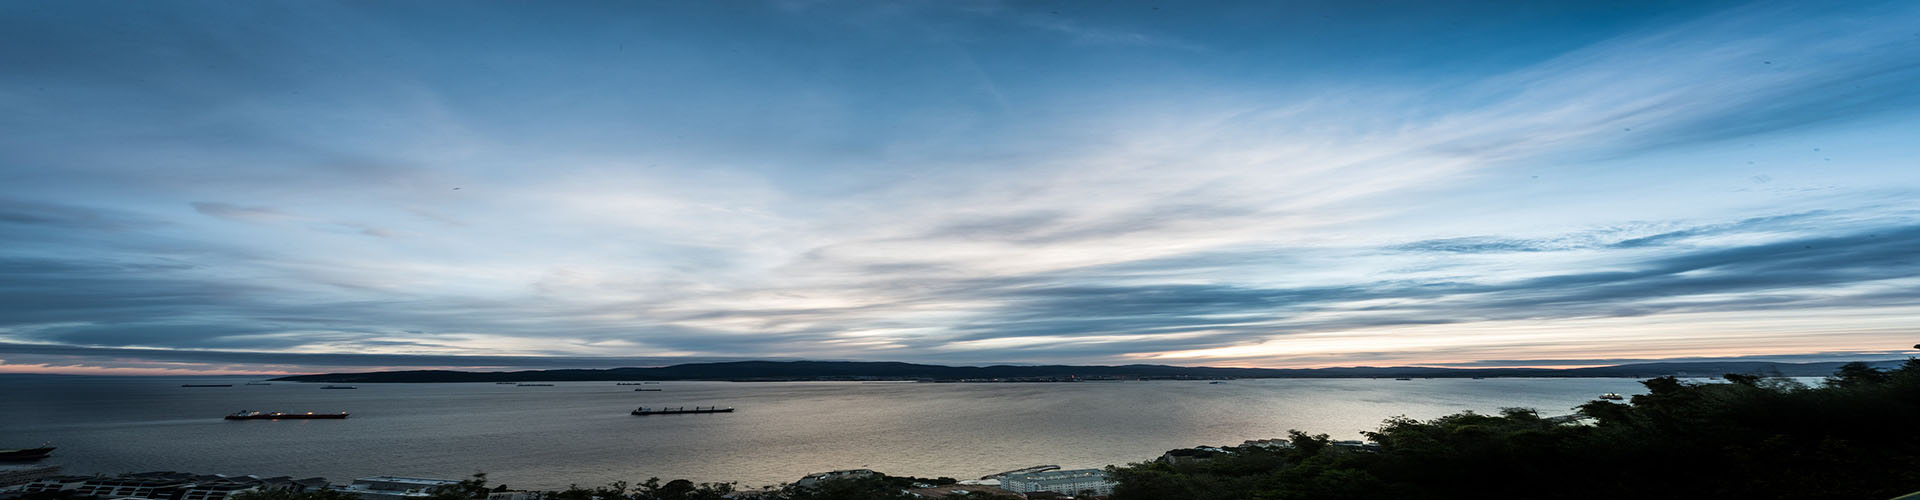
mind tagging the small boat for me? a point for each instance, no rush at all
(681, 410)
(260, 415)
(1214, 382)
(535, 385)
(1612, 396)
(25, 454)
(628, 383)
(506, 383)
(206, 385)
(339, 387)
(646, 389)
(1403, 378)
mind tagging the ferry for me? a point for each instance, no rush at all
(1612, 396)
(25, 454)
(260, 415)
(339, 387)
(681, 409)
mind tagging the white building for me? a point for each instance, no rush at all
(394, 488)
(1065, 482)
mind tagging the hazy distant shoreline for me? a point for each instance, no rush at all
(779, 371)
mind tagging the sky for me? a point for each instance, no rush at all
(194, 187)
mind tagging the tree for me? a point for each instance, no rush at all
(321, 494)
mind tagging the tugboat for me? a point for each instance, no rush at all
(257, 415)
(681, 409)
(26, 454)
(1612, 396)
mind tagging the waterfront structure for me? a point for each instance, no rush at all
(219, 487)
(168, 485)
(394, 488)
(150, 485)
(22, 474)
(1066, 482)
(54, 483)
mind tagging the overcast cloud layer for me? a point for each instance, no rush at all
(297, 184)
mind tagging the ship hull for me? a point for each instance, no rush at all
(26, 454)
(289, 416)
(682, 411)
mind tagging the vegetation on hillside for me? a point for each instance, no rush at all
(1851, 437)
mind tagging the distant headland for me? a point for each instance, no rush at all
(745, 371)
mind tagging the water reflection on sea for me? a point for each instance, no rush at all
(580, 432)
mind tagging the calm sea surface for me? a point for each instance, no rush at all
(580, 432)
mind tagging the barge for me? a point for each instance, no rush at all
(275, 415)
(681, 409)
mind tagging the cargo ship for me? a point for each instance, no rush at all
(26, 454)
(681, 409)
(262, 415)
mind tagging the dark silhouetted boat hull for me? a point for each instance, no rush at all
(681, 410)
(25, 454)
(255, 415)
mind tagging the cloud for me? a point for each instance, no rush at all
(952, 183)
(241, 213)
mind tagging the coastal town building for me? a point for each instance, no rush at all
(1192, 455)
(150, 485)
(220, 487)
(168, 485)
(513, 495)
(1268, 444)
(393, 487)
(1066, 482)
(52, 483)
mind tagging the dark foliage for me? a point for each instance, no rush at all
(1853, 437)
(293, 495)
